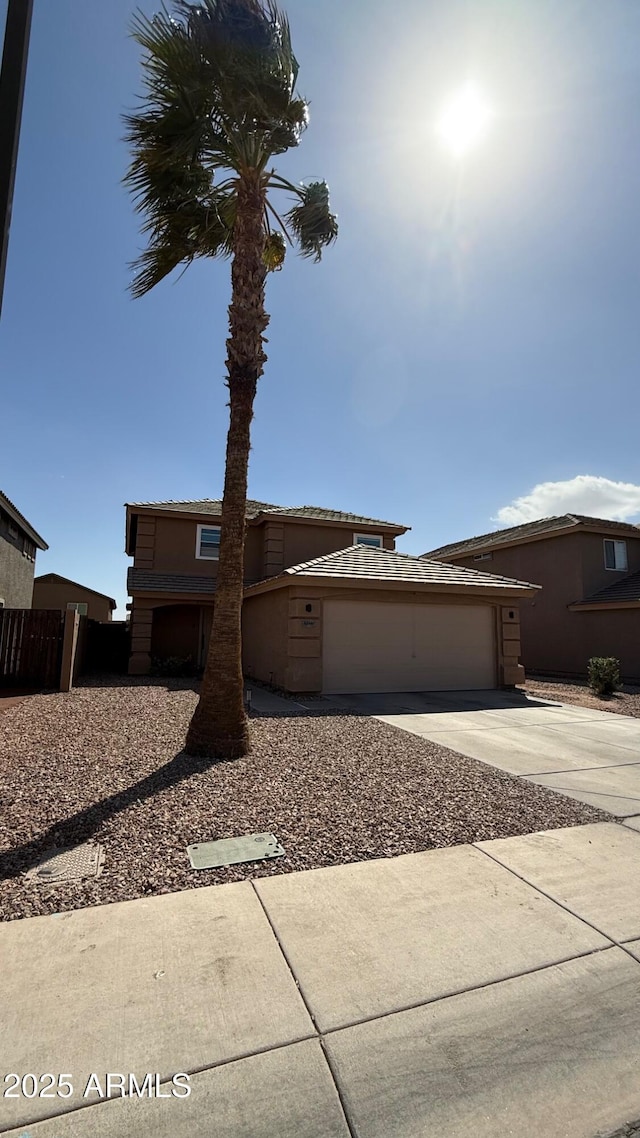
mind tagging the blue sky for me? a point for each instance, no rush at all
(465, 356)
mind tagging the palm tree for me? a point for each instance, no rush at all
(219, 104)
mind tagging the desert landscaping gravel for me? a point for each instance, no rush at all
(624, 702)
(104, 763)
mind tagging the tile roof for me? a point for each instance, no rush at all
(357, 562)
(528, 529)
(20, 520)
(364, 562)
(213, 506)
(628, 589)
(141, 580)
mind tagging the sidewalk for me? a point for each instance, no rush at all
(466, 992)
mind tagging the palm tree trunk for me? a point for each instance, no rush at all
(219, 728)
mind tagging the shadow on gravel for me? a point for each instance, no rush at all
(277, 705)
(83, 825)
(114, 680)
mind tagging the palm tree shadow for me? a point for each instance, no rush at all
(84, 824)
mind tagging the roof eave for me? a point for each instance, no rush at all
(309, 579)
(266, 516)
(67, 580)
(372, 524)
(22, 522)
(528, 539)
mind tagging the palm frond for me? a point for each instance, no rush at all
(274, 252)
(218, 102)
(180, 234)
(247, 46)
(311, 220)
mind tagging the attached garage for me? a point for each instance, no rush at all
(374, 620)
(371, 646)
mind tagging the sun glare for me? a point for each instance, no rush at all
(464, 121)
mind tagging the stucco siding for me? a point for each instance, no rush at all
(546, 626)
(58, 594)
(569, 568)
(595, 575)
(16, 575)
(304, 542)
(610, 633)
(265, 637)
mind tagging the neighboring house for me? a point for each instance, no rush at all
(589, 569)
(18, 545)
(329, 604)
(50, 591)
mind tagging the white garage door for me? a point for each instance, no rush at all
(370, 646)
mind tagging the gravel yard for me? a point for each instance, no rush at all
(625, 702)
(104, 762)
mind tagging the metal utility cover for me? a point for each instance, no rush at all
(232, 851)
(67, 864)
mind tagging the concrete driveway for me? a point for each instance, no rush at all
(593, 756)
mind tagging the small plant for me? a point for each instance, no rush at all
(604, 674)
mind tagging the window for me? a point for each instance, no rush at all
(208, 543)
(78, 606)
(372, 539)
(482, 556)
(13, 529)
(615, 555)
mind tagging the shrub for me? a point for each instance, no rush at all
(604, 674)
(173, 666)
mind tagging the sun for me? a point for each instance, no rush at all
(464, 121)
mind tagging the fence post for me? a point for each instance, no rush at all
(69, 645)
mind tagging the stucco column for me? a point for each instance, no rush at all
(69, 646)
(140, 658)
(511, 669)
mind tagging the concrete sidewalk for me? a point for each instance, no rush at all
(466, 992)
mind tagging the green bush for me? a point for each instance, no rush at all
(604, 674)
(173, 666)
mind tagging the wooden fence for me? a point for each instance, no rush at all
(31, 647)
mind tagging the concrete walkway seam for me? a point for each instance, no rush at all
(267, 1050)
(607, 936)
(338, 1088)
(350, 1124)
(286, 958)
(321, 1036)
(587, 770)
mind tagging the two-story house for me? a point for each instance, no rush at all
(589, 605)
(19, 543)
(329, 604)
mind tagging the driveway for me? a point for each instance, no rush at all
(592, 756)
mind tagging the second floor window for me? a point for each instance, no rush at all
(615, 554)
(373, 539)
(208, 543)
(78, 606)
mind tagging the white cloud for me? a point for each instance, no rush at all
(584, 494)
